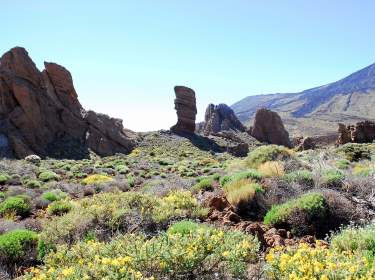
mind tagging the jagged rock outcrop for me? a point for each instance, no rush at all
(268, 127)
(361, 132)
(185, 105)
(221, 118)
(40, 114)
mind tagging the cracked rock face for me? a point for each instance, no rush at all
(40, 114)
(185, 105)
(268, 127)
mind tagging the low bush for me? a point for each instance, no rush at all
(201, 253)
(54, 195)
(46, 176)
(343, 164)
(184, 227)
(305, 262)
(356, 240)
(333, 178)
(266, 153)
(15, 205)
(271, 169)
(363, 169)
(122, 169)
(249, 174)
(131, 181)
(4, 178)
(355, 152)
(59, 207)
(110, 213)
(33, 184)
(302, 177)
(96, 179)
(16, 246)
(241, 191)
(204, 184)
(299, 214)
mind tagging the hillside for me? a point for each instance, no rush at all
(318, 110)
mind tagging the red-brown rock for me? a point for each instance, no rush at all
(221, 118)
(40, 114)
(361, 132)
(185, 105)
(268, 127)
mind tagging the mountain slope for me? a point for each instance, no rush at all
(318, 110)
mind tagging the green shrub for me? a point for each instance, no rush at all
(33, 184)
(4, 178)
(59, 207)
(184, 227)
(249, 174)
(343, 164)
(355, 239)
(355, 152)
(313, 204)
(266, 153)
(333, 178)
(303, 177)
(17, 205)
(200, 254)
(114, 212)
(122, 169)
(131, 181)
(96, 179)
(54, 195)
(15, 244)
(204, 184)
(46, 176)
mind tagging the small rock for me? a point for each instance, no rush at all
(35, 159)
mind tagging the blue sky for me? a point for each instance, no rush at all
(126, 56)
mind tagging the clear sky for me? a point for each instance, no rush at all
(126, 56)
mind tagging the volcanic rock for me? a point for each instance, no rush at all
(221, 118)
(361, 132)
(268, 127)
(185, 105)
(40, 114)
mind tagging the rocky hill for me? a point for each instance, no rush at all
(318, 110)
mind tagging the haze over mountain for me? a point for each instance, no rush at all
(318, 110)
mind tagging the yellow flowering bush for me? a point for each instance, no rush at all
(306, 263)
(96, 179)
(202, 251)
(111, 213)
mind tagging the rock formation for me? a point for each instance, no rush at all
(185, 105)
(361, 132)
(221, 118)
(268, 127)
(40, 114)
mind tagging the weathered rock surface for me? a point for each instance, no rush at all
(361, 132)
(268, 127)
(221, 118)
(185, 105)
(40, 114)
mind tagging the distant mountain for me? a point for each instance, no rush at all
(318, 110)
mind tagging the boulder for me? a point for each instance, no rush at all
(185, 105)
(40, 114)
(361, 132)
(268, 127)
(220, 118)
